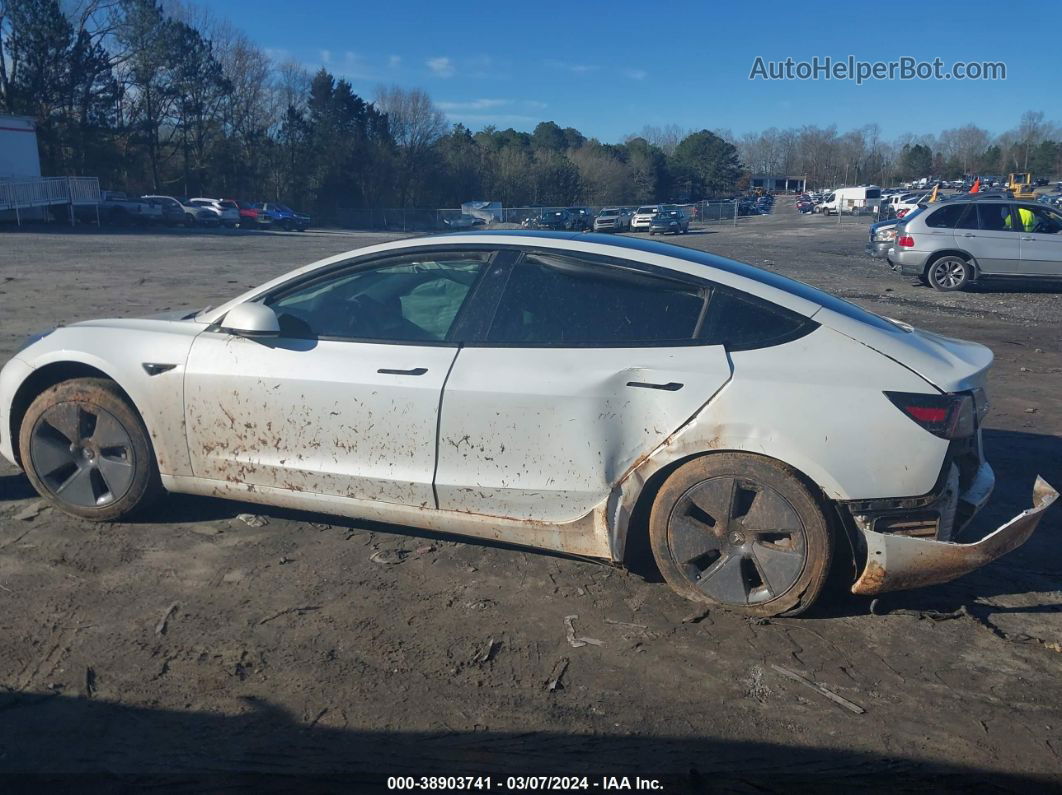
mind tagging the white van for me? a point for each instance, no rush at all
(863, 199)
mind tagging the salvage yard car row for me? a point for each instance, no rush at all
(117, 208)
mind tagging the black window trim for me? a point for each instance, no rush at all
(596, 262)
(370, 261)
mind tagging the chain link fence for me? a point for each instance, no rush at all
(455, 219)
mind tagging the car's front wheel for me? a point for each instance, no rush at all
(743, 532)
(949, 273)
(86, 450)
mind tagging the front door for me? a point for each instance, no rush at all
(994, 243)
(345, 401)
(1041, 242)
(583, 371)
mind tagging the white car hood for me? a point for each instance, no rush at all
(949, 364)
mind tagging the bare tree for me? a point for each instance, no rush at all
(415, 124)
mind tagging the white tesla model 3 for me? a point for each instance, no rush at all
(573, 392)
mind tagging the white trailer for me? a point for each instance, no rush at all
(19, 158)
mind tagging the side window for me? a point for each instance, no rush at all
(1045, 221)
(743, 322)
(995, 217)
(552, 299)
(968, 219)
(412, 298)
(946, 217)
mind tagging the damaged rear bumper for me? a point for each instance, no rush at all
(897, 562)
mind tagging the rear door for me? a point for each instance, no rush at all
(1041, 245)
(582, 370)
(994, 244)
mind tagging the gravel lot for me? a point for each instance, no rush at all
(195, 644)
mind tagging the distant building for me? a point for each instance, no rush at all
(19, 157)
(772, 182)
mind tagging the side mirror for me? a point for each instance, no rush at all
(251, 320)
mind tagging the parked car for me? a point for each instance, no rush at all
(909, 204)
(952, 244)
(227, 210)
(553, 219)
(283, 217)
(669, 220)
(882, 238)
(463, 221)
(172, 211)
(118, 208)
(643, 217)
(274, 397)
(250, 217)
(612, 219)
(582, 217)
(190, 215)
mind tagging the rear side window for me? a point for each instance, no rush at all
(946, 217)
(994, 217)
(559, 300)
(873, 193)
(743, 322)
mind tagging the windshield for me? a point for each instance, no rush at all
(283, 208)
(644, 210)
(608, 213)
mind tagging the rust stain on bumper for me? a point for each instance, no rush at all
(896, 563)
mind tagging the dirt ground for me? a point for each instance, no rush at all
(196, 645)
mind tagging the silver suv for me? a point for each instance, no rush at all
(955, 242)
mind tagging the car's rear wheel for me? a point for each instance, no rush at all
(743, 532)
(86, 450)
(948, 273)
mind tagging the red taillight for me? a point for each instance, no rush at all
(905, 241)
(926, 413)
(901, 213)
(947, 416)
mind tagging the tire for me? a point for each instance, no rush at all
(752, 524)
(948, 273)
(87, 452)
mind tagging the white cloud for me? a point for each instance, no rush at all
(475, 104)
(441, 66)
(636, 74)
(326, 56)
(394, 61)
(574, 68)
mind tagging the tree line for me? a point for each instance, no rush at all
(157, 96)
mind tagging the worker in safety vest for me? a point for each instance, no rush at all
(1028, 221)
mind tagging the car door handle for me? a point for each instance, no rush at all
(969, 234)
(414, 371)
(670, 386)
(1027, 237)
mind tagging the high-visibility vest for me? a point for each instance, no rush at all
(1028, 220)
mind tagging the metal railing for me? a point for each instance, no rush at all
(24, 194)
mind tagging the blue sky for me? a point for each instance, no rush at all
(610, 67)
